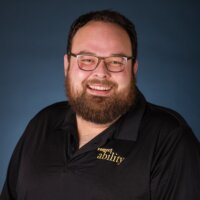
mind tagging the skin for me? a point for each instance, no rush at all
(104, 40)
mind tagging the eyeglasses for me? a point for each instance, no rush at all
(90, 62)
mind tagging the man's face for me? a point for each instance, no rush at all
(100, 96)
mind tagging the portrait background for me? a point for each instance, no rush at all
(33, 39)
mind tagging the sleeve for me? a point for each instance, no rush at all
(9, 188)
(175, 171)
(9, 191)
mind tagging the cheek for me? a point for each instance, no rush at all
(77, 76)
(124, 80)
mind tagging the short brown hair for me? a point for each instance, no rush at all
(105, 16)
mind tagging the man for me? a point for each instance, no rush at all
(107, 142)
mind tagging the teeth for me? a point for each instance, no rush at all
(99, 88)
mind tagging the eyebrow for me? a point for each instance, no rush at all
(93, 54)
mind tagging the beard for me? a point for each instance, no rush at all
(101, 109)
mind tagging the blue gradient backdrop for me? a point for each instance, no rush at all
(32, 44)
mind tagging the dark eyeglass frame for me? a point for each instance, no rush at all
(99, 60)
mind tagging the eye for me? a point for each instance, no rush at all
(115, 62)
(87, 60)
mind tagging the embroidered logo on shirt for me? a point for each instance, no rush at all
(110, 155)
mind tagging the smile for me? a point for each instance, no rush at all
(98, 87)
(99, 90)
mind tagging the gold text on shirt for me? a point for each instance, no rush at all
(110, 155)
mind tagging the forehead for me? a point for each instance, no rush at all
(101, 37)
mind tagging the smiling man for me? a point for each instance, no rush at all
(107, 142)
(100, 76)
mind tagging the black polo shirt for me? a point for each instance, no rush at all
(150, 153)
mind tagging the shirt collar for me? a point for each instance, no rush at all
(130, 122)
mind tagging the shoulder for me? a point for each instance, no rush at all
(165, 126)
(54, 108)
(52, 115)
(162, 117)
(46, 123)
(168, 134)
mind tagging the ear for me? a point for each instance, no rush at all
(66, 64)
(135, 67)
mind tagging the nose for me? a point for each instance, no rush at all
(101, 70)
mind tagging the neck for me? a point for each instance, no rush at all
(88, 130)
